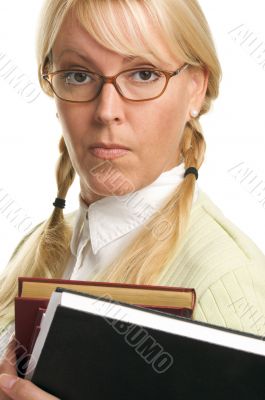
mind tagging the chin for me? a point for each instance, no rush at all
(110, 182)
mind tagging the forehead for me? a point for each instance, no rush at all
(73, 39)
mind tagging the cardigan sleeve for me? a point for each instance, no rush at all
(236, 300)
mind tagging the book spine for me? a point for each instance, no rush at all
(103, 284)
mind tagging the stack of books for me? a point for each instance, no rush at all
(34, 295)
(92, 346)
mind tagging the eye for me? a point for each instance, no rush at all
(145, 75)
(76, 77)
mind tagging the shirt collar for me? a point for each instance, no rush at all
(113, 217)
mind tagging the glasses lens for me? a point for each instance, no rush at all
(76, 85)
(141, 84)
(84, 86)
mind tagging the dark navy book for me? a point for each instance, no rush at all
(96, 348)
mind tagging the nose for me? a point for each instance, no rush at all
(109, 105)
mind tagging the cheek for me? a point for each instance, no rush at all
(162, 127)
(67, 117)
(70, 129)
(72, 122)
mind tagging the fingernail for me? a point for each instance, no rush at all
(7, 381)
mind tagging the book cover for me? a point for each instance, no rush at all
(145, 355)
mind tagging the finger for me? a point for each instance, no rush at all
(3, 396)
(8, 362)
(15, 359)
(22, 389)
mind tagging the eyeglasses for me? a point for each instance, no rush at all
(137, 84)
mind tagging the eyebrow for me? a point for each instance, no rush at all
(86, 58)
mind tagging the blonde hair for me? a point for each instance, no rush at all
(183, 27)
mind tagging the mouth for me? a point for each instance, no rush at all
(108, 151)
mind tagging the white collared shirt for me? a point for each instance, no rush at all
(102, 230)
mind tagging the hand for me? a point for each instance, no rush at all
(8, 364)
(21, 389)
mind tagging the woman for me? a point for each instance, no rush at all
(136, 144)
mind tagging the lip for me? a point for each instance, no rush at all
(108, 146)
(108, 151)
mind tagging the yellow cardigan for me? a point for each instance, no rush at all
(224, 266)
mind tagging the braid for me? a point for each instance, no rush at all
(193, 145)
(193, 148)
(65, 172)
(65, 175)
(54, 243)
(45, 250)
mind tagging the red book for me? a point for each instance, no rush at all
(34, 294)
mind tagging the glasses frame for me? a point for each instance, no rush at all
(112, 79)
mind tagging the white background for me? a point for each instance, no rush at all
(234, 129)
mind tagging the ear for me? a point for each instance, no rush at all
(198, 84)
